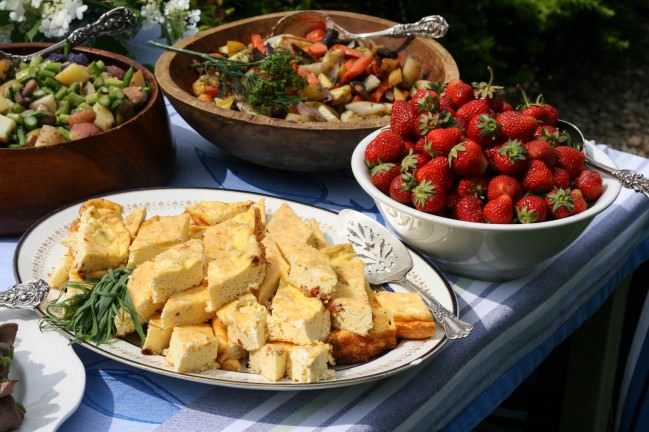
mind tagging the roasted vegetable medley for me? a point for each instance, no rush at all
(313, 77)
(60, 98)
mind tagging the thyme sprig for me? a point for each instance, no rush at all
(90, 314)
(270, 84)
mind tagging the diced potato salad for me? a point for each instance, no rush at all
(57, 99)
(343, 81)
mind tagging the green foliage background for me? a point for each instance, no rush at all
(527, 42)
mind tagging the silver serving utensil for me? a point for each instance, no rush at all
(113, 22)
(433, 26)
(25, 295)
(627, 178)
(387, 260)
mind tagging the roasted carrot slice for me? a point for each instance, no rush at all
(315, 35)
(317, 50)
(258, 42)
(357, 68)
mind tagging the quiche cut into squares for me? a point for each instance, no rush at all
(186, 307)
(310, 363)
(177, 269)
(237, 259)
(349, 305)
(276, 266)
(270, 360)
(214, 212)
(139, 290)
(246, 321)
(156, 235)
(297, 318)
(192, 348)
(157, 337)
(101, 240)
(230, 354)
(409, 312)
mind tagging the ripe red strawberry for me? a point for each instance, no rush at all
(499, 210)
(446, 104)
(509, 157)
(437, 171)
(402, 119)
(409, 145)
(570, 159)
(382, 174)
(440, 141)
(429, 197)
(471, 108)
(492, 94)
(451, 200)
(459, 92)
(387, 146)
(401, 188)
(541, 150)
(544, 131)
(468, 209)
(427, 121)
(578, 201)
(504, 185)
(551, 114)
(424, 100)
(483, 129)
(535, 111)
(517, 125)
(560, 203)
(560, 178)
(590, 184)
(507, 106)
(413, 161)
(538, 177)
(531, 209)
(544, 113)
(473, 186)
(467, 160)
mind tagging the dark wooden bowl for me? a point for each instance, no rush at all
(137, 153)
(279, 143)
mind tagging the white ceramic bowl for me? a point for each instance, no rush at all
(477, 250)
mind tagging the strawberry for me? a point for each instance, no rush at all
(517, 125)
(551, 114)
(468, 209)
(427, 121)
(507, 107)
(578, 201)
(382, 174)
(590, 184)
(452, 199)
(570, 159)
(544, 113)
(424, 100)
(446, 104)
(483, 129)
(510, 157)
(387, 146)
(560, 203)
(400, 188)
(535, 111)
(467, 160)
(473, 186)
(429, 197)
(459, 92)
(413, 161)
(560, 178)
(504, 185)
(541, 150)
(538, 177)
(409, 145)
(544, 131)
(492, 94)
(402, 119)
(531, 209)
(440, 141)
(436, 171)
(499, 210)
(471, 108)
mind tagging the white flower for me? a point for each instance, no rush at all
(58, 14)
(151, 13)
(16, 9)
(179, 20)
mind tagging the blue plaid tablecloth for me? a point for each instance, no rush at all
(516, 325)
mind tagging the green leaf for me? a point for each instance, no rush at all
(33, 31)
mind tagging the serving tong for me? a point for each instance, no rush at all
(115, 21)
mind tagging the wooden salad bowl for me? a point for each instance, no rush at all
(138, 153)
(272, 142)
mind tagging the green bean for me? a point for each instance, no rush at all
(83, 106)
(20, 132)
(17, 108)
(64, 107)
(104, 100)
(126, 79)
(62, 118)
(24, 75)
(110, 81)
(44, 73)
(92, 98)
(35, 61)
(31, 122)
(60, 94)
(115, 103)
(75, 87)
(52, 83)
(15, 117)
(51, 66)
(115, 92)
(64, 132)
(75, 99)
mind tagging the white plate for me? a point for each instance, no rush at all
(51, 378)
(40, 249)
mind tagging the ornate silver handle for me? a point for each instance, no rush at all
(454, 328)
(113, 22)
(25, 295)
(433, 26)
(627, 178)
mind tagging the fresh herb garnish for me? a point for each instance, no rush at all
(90, 314)
(270, 84)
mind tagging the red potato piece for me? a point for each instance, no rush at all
(135, 95)
(84, 116)
(115, 71)
(83, 130)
